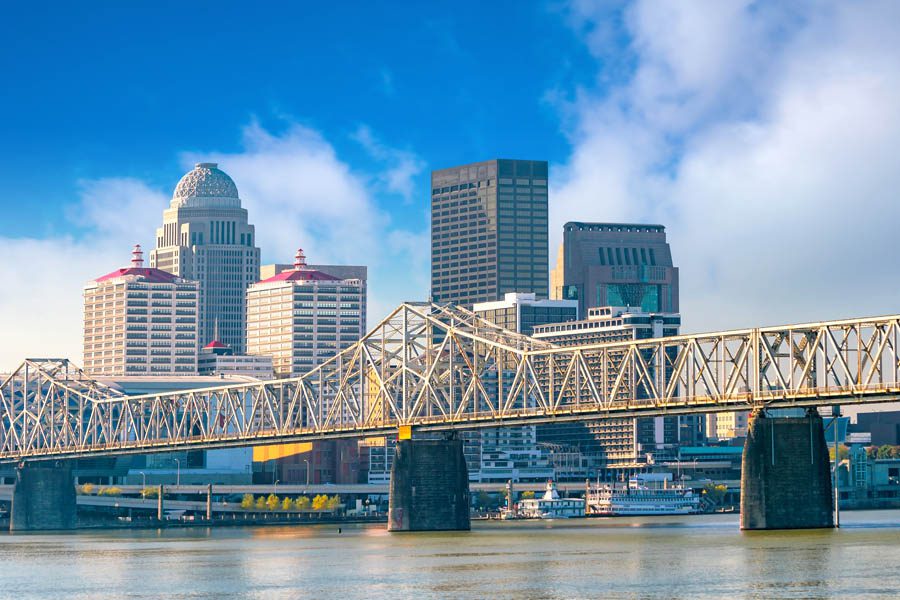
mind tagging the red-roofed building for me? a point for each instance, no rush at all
(301, 317)
(140, 321)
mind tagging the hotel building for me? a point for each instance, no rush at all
(302, 317)
(140, 321)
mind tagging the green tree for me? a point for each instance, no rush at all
(287, 504)
(247, 501)
(302, 503)
(272, 502)
(715, 492)
(527, 495)
(110, 491)
(884, 452)
(483, 499)
(260, 503)
(333, 503)
(319, 502)
(150, 492)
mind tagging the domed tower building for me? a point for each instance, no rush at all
(206, 237)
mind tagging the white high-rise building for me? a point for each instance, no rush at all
(302, 317)
(140, 321)
(206, 237)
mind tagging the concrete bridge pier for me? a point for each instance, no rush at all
(43, 497)
(429, 488)
(786, 474)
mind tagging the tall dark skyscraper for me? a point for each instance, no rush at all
(489, 231)
(616, 264)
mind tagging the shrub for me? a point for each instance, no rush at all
(247, 501)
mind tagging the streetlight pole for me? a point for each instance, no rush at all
(177, 471)
(307, 473)
(143, 481)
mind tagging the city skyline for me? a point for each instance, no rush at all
(751, 142)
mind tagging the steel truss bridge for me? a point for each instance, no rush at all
(438, 368)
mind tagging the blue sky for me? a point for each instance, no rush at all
(763, 134)
(120, 89)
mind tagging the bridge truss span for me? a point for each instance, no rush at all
(435, 367)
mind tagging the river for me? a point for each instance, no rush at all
(654, 557)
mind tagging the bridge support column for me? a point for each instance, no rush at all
(786, 474)
(429, 487)
(43, 498)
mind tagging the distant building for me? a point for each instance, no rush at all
(489, 231)
(140, 321)
(521, 312)
(355, 272)
(302, 317)
(883, 426)
(512, 453)
(616, 264)
(619, 441)
(217, 358)
(727, 425)
(206, 237)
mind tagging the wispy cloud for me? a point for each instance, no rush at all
(763, 135)
(401, 166)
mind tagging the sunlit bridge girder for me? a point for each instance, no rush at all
(437, 367)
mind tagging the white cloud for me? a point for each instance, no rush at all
(41, 307)
(402, 165)
(297, 191)
(764, 138)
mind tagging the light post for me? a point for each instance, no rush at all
(177, 471)
(307, 473)
(275, 486)
(143, 480)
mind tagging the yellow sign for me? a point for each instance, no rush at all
(275, 451)
(372, 442)
(405, 432)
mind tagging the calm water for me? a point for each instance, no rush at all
(686, 557)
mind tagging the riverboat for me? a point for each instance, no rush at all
(551, 506)
(642, 497)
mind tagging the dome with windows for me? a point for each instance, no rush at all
(206, 186)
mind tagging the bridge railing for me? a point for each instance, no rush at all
(436, 367)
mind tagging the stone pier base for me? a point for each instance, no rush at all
(429, 487)
(786, 474)
(43, 498)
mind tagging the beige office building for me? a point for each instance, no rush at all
(206, 237)
(140, 321)
(301, 317)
